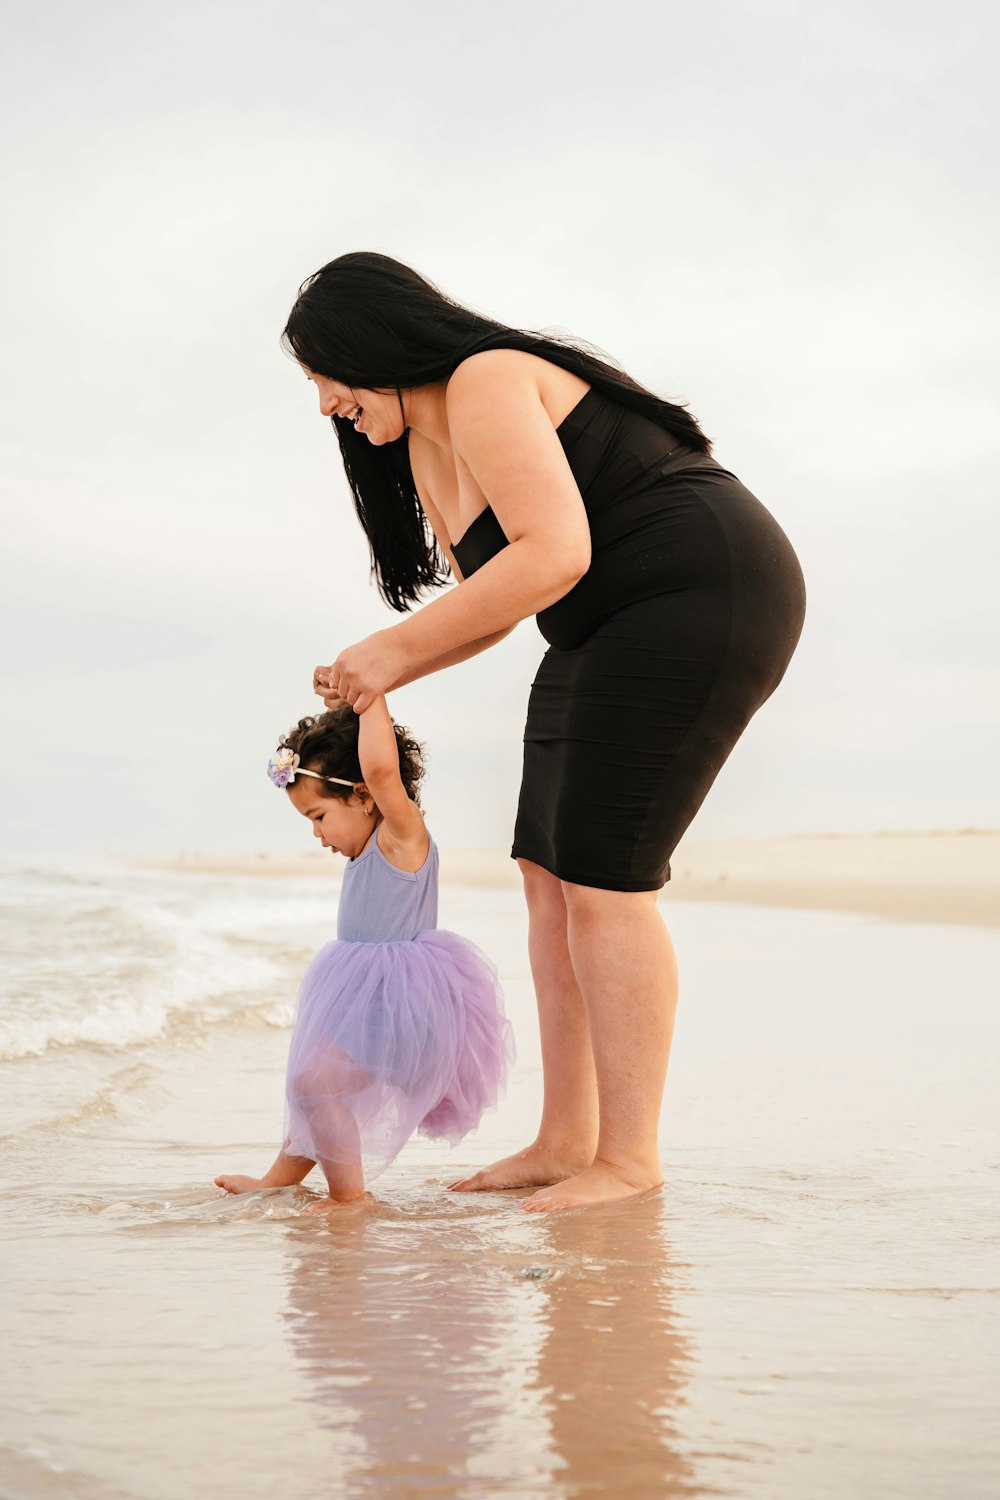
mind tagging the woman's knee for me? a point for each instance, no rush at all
(543, 894)
(540, 884)
(594, 904)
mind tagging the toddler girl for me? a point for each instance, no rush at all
(399, 1025)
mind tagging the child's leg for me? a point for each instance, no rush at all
(285, 1171)
(318, 1091)
(345, 1181)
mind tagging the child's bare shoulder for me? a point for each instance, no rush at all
(405, 841)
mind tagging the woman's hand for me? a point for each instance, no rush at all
(361, 672)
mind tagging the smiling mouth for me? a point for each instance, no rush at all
(354, 416)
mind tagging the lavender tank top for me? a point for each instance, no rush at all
(380, 904)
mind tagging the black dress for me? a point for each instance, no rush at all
(658, 658)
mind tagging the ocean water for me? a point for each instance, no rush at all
(100, 964)
(114, 957)
(811, 1307)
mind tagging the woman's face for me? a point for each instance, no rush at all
(375, 413)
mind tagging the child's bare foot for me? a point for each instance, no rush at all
(327, 1205)
(233, 1184)
(284, 1171)
(536, 1166)
(599, 1183)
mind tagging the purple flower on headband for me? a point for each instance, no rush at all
(282, 767)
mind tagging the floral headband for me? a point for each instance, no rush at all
(283, 767)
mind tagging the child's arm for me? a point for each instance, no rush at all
(407, 840)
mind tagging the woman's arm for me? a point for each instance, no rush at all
(452, 658)
(324, 677)
(503, 435)
(332, 699)
(471, 648)
(449, 658)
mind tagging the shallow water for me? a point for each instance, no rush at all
(809, 1309)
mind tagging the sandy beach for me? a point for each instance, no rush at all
(809, 1308)
(920, 877)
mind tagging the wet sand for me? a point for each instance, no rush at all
(809, 1309)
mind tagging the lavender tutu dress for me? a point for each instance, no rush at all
(399, 1026)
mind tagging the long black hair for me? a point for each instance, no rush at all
(370, 322)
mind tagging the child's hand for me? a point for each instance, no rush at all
(322, 684)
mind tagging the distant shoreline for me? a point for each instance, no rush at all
(939, 877)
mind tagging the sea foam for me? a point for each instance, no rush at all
(106, 957)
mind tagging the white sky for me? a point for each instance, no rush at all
(784, 214)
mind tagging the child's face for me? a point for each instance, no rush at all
(343, 827)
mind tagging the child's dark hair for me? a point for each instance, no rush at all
(328, 744)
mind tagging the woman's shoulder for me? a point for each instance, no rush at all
(495, 364)
(494, 373)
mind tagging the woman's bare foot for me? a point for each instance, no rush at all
(536, 1166)
(599, 1183)
(234, 1184)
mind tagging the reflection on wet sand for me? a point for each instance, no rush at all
(612, 1367)
(457, 1349)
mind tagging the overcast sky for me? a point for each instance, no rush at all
(784, 214)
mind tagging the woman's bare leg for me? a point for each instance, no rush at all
(624, 961)
(567, 1135)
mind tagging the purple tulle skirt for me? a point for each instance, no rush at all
(390, 1038)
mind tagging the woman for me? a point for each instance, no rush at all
(556, 486)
